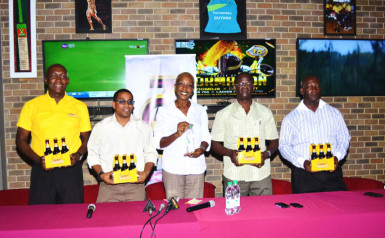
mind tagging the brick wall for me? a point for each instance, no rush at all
(163, 21)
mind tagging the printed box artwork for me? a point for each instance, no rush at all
(122, 172)
(56, 157)
(251, 154)
(319, 160)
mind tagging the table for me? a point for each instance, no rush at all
(337, 214)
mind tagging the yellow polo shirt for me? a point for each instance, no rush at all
(46, 119)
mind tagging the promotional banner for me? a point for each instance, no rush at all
(219, 61)
(151, 80)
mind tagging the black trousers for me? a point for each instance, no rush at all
(58, 186)
(324, 181)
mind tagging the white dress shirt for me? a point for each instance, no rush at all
(303, 127)
(173, 159)
(109, 138)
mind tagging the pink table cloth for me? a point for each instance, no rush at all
(334, 214)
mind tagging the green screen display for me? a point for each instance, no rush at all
(96, 68)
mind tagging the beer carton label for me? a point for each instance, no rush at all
(249, 157)
(58, 160)
(126, 176)
(322, 164)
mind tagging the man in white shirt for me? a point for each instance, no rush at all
(120, 134)
(313, 121)
(245, 118)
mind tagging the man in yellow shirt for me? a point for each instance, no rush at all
(49, 116)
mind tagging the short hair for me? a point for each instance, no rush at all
(53, 66)
(308, 78)
(242, 74)
(123, 90)
(184, 74)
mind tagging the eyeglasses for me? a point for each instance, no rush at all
(185, 85)
(123, 102)
(249, 85)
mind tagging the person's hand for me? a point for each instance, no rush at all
(75, 157)
(335, 164)
(107, 178)
(142, 177)
(197, 152)
(264, 156)
(307, 166)
(182, 128)
(234, 158)
(42, 164)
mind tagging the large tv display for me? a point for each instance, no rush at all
(345, 67)
(96, 68)
(219, 61)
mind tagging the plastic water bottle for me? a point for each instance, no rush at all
(229, 199)
(190, 139)
(237, 197)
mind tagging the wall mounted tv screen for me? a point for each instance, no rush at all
(345, 67)
(96, 68)
(219, 61)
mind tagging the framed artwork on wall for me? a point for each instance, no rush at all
(93, 16)
(340, 17)
(222, 19)
(22, 38)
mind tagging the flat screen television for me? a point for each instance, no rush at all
(345, 67)
(219, 61)
(96, 68)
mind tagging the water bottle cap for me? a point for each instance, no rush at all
(235, 182)
(229, 183)
(190, 126)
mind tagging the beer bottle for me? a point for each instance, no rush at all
(48, 149)
(329, 153)
(124, 166)
(56, 149)
(314, 151)
(321, 152)
(132, 163)
(117, 166)
(256, 144)
(241, 145)
(64, 148)
(248, 147)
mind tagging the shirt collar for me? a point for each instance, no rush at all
(304, 107)
(50, 98)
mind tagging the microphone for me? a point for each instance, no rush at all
(210, 203)
(171, 205)
(149, 207)
(91, 209)
(161, 207)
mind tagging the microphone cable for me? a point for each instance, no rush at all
(152, 217)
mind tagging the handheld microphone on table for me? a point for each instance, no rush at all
(172, 205)
(210, 203)
(91, 209)
(161, 208)
(149, 207)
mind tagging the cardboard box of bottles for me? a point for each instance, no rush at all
(322, 161)
(59, 156)
(249, 150)
(125, 174)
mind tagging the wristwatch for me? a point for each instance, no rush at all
(99, 178)
(80, 155)
(268, 151)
